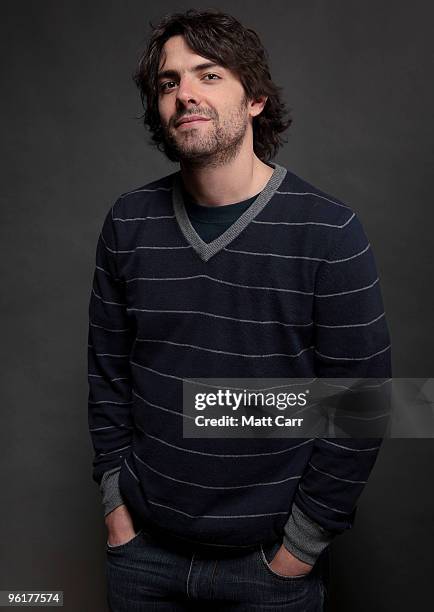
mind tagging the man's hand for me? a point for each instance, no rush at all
(119, 526)
(286, 564)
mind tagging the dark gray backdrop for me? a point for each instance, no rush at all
(358, 77)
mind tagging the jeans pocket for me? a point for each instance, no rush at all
(124, 544)
(267, 555)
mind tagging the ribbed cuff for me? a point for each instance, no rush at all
(304, 538)
(109, 487)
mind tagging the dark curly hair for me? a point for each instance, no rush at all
(221, 38)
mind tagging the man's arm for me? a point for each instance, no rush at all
(110, 388)
(352, 341)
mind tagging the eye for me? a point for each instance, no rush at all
(166, 86)
(163, 85)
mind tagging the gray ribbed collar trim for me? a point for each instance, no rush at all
(206, 250)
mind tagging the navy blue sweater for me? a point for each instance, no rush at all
(290, 289)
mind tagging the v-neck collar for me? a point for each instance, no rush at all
(205, 250)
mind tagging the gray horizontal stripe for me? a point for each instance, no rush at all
(110, 379)
(337, 477)
(110, 355)
(124, 195)
(335, 386)
(353, 358)
(216, 280)
(303, 492)
(327, 295)
(125, 329)
(175, 412)
(110, 427)
(163, 248)
(143, 218)
(202, 348)
(109, 249)
(217, 516)
(202, 384)
(356, 450)
(333, 261)
(329, 261)
(305, 222)
(106, 301)
(159, 248)
(379, 384)
(253, 221)
(228, 455)
(360, 418)
(210, 314)
(108, 273)
(110, 402)
(353, 324)
(304, 193)
(116, 450)
(226, 488)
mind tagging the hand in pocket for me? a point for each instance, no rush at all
(286, 564)
(120, 526)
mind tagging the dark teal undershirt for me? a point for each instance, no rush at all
(211, 221)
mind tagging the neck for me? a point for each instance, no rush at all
(239, 179)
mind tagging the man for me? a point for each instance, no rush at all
(230, 267)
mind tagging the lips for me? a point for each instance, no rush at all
(190, 119)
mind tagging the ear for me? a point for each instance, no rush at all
(257, 106)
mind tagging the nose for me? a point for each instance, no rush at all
(187, 93)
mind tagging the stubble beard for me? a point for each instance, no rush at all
(218, 146)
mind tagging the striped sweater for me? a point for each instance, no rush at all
(294, 276)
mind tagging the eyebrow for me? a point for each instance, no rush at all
(174, 73)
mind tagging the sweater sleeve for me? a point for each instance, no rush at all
(110, 339)
(111, 494)
(351, 341)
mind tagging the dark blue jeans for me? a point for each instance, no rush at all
(151, 572)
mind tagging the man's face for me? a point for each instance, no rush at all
(189, 85)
